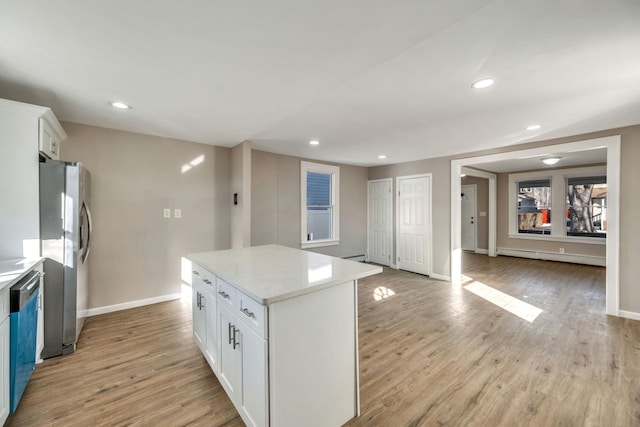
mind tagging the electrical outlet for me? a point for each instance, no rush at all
(167, 213)
(177, 213)
(561, 250)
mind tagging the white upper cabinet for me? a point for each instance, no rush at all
(21, 128)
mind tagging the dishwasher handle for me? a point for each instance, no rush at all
(22, 291)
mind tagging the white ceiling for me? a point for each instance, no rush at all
(364, 77)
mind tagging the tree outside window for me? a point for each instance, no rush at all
(587, 206)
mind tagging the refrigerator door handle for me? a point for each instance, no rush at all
(89, 233)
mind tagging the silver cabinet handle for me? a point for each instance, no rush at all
(207, 281)
(224, 294)
(230, 339)
(198, 299)
(235, 344)
(195, 272)
(247, 312)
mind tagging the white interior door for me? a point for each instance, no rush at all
(468, 217)
(414, 223)
(379, 222)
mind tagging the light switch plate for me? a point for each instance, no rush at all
(177, 213)
(167, 213)
(483, 214)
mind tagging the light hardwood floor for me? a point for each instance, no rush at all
(430, 354)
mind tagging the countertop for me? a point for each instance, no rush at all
(12, 270)
(273, 273)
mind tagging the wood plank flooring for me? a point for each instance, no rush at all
(430, 354)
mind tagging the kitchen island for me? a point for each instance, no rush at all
(279, 328)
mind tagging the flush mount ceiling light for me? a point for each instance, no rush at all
(551, 160)
(382, 156)
(462, 175)
(483, 83)
(533, 127)
(120, 105)
(314, 142)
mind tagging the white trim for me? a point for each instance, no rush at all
(334, 171)
(429, 243)
(612, 144)
(482, 251)
(554, 256)
(357, 258)
(132, 304)
(389, 209)
(319, 244)
(568, 239)
(440, 277)
(629, 314)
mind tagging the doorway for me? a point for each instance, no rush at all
(612, 146)
(413, 225)
(468, 225)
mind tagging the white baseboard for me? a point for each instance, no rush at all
(440, 277)
(629, 314)
(553, 256)
(132, 304)
(359, 258)
(482, 251)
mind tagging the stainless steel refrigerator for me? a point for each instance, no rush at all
(65, 234)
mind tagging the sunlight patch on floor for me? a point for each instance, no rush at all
(382, 292)
(513, 305)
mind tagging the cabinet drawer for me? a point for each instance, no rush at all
(253, 314)
(227, 295)
(4, 303)
(204, 276)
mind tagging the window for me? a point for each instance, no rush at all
(563, 205)
(534, 206)
(586, 213)
(319, 185)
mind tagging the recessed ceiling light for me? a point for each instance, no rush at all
(534, 127)
(314, 142)
(551, 160)
(481, 84)
(382, 156)
(120, 105)
(462, 175)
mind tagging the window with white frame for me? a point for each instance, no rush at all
(534, 206)
(587, 206)
(320, 184)
(560, 204)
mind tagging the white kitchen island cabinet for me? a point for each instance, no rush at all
(287, 333)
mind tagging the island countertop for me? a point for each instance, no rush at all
(273, 273)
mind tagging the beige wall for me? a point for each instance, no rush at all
(629, 204)
(275, 207)
(482, 204)
(241, 184)
(136, 253)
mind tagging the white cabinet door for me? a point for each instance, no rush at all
(4, 369)
(199, 319)
(208, 301)
(253, 393)
(229, 356)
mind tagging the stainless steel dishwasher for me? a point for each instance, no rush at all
(24, 329)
